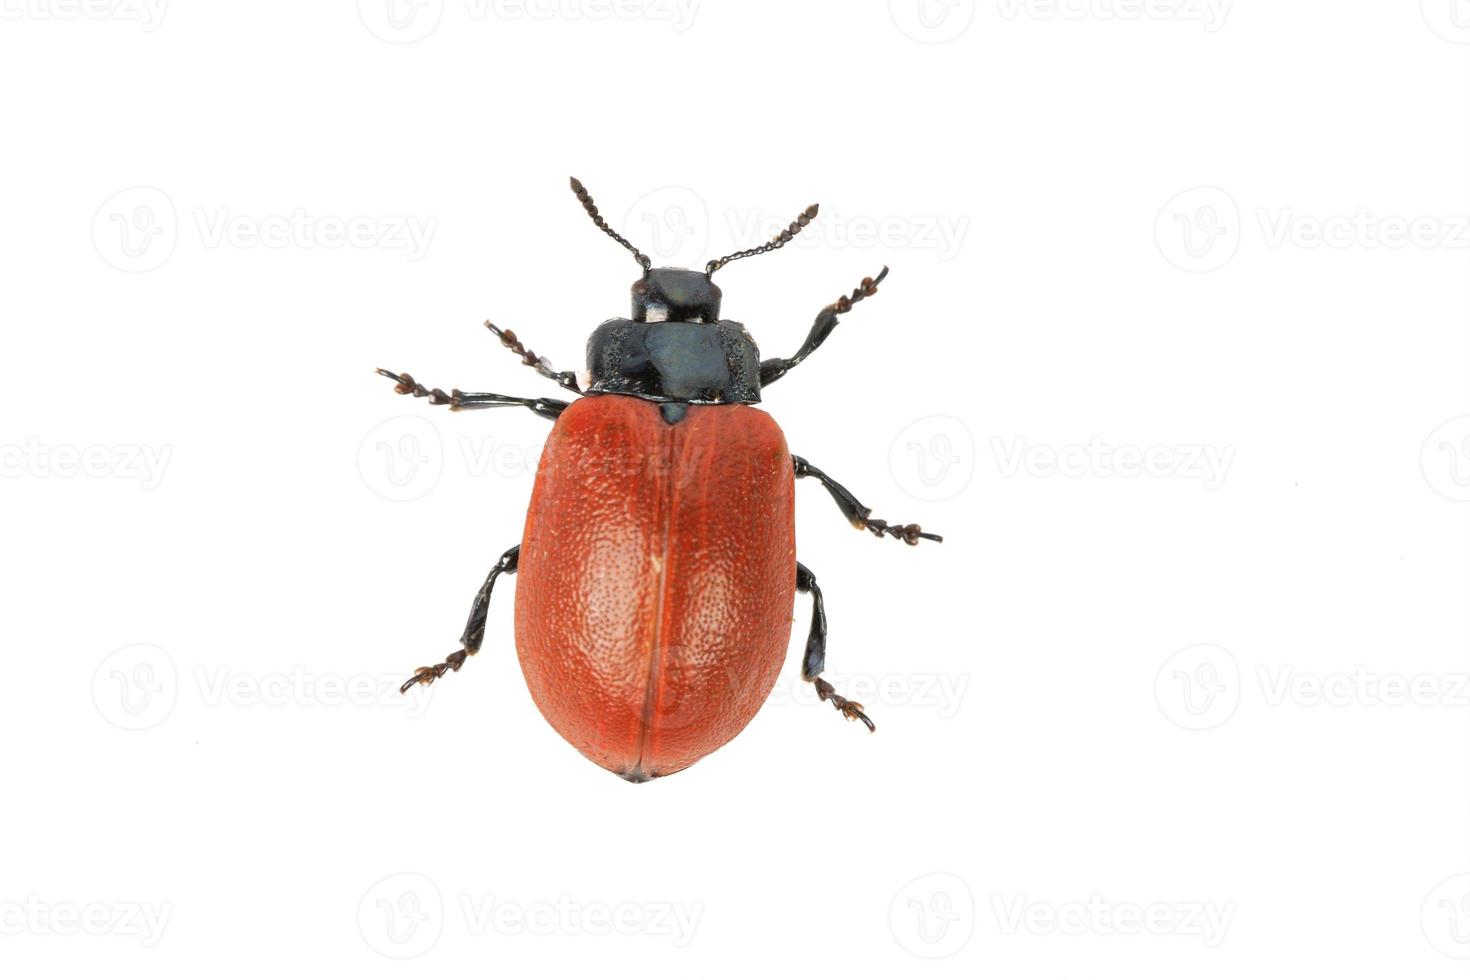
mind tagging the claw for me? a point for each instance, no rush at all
(424, 675)
(427, 675)
(851, 710)
(854, 711)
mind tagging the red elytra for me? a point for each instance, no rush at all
(657, 579)
(658, 560)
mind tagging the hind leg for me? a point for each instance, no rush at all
(815, 658)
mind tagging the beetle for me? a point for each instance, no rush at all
(658, 565)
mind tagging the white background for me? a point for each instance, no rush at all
(1141, 715)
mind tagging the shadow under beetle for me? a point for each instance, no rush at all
(658, 562)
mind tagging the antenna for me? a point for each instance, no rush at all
(597, 220)
(787, 233)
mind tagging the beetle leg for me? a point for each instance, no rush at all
(815, 658)
(474, 629)
(773, 369)
(543, 367)
(548, 408)
(856, 513)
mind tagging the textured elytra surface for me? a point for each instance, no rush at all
(657, 577)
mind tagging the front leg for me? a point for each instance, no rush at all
(773, 369)
(548, 408)
(856, 513)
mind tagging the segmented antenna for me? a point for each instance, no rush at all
(597, 220)
(787, 233)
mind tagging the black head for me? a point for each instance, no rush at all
(676, 294)
(676, 348)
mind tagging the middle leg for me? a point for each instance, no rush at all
(474, 629)
(856, 513)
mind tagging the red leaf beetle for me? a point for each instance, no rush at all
(658, 561)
